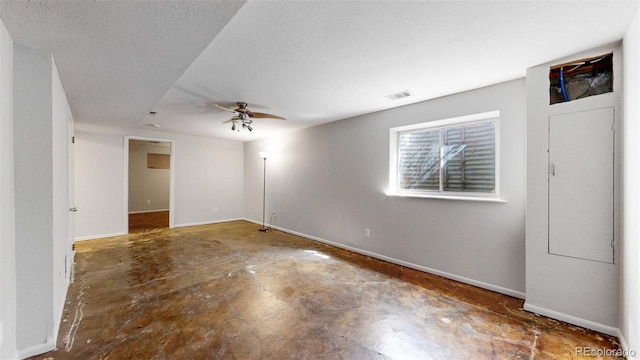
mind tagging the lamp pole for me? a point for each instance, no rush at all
(264, 188)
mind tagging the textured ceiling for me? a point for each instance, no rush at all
(309, 61)
(116, 59)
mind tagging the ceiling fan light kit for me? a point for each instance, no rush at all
(245, 116)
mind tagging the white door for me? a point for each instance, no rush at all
(581, 184)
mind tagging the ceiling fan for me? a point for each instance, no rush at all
(245, 116)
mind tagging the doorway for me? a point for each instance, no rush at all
(149, 169)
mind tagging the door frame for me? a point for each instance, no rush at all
(561, 210)
(71, 198)
(172, 161)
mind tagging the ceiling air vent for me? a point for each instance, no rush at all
(399, 95)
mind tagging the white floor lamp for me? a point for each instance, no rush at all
(263, 155)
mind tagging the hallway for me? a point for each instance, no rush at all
(228, 291)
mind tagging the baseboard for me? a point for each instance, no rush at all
(147, 211)
(605, 329)
(4, 351)
(480, 284)
(37, 349)
(206, 222)
(622, 340)
(101, 236)
(632, 354)
(58, 320)
(13, 356)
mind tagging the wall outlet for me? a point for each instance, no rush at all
(215, 209)
(148, 201)
(275, 213)
(367, 232)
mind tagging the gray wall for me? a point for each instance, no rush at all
(575, 290)
(328, 182)
(144, 183)
(8, 348)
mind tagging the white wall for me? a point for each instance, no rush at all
(62, 244)
(99, 178)
(40, 152)
(208, 175)
(147, 184)
(35, 245)
(630, 282)
(33, 195)
(41, 199)
(575, 290)
(329, 182)
(8, 348)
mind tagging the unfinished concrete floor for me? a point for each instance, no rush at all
(228, 291)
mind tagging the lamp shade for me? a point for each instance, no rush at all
(264, 154)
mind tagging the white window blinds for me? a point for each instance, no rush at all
(456, 158)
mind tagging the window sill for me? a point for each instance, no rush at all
(450, 197)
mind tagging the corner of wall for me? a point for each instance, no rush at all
(8, 346)
(630, 269)
(39, 120)
(50, 345)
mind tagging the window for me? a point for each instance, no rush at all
(446, 158)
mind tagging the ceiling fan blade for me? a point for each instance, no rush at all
(224, 108)
(264, 115)
(235, 118)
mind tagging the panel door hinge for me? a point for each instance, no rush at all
(73, 139)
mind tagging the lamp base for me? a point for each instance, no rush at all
(264, 229)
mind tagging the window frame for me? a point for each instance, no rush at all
(480, 118)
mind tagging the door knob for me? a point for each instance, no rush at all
(73, 209)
